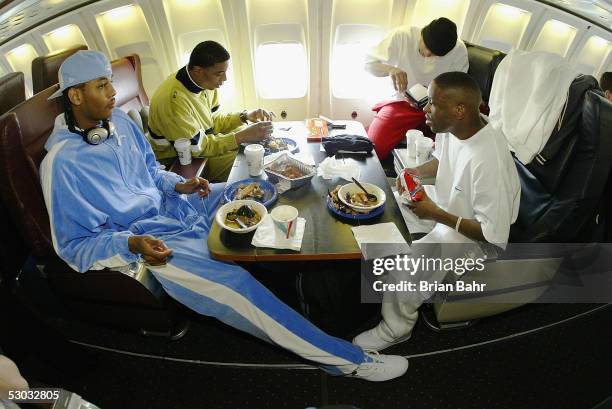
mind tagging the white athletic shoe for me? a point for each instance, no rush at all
(369, 340)
(382, 368)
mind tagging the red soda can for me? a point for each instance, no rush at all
(411, 185)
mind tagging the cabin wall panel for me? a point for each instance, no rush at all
(556, 31)
(76, 18)
(353, 27)
(129, 28)
(264, 22)
(165, 31)
(472, 20)
(592, 52)
(419, 13)
(506, 24)
(185, 19)
(188, 23)
(19, 54)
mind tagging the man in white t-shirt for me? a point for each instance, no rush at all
(475, 198)
(410, 55)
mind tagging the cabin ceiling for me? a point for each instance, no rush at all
(17, 17)
(597, 11)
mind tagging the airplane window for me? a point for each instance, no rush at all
(64, 37)
(349, 78)
(594, 52)
(281, 70)
(555, 37)
(503, 27)
(20, 59)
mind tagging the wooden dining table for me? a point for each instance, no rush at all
(326, 236)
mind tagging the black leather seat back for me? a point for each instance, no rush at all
(483, 63)
(12, 91)
(574, 210)
(551, 165)
(12, 249)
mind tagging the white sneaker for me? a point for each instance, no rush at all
(369, 340)
(381, 368)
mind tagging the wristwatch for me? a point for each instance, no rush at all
(243, 117)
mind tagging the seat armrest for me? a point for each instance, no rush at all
(195, 168)
(490, 252)
(133, 285)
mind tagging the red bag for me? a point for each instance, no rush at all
(389, 126)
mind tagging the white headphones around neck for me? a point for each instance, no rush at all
(97, 134)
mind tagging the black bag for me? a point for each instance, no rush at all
(347, 144)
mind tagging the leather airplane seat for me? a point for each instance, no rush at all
(46, 67)
(565, 198)
(134, 300)
(12, 249)
(483, 63)
(12, 91)
(562, 193)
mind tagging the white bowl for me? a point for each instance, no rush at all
(352, 188)
(230, 206)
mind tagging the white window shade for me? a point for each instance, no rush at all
(555, 37)
(281, 70)
(593, 54)
(503, 27)
(349, 79)
(64, 37)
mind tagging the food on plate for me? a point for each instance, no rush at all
(252, 190)
(242, 217)
(287, 170)
(340, 206)
(275, 144)
(359, 199)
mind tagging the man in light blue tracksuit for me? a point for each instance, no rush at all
(110, 204)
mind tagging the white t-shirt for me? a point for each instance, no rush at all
(401, 49)
(477, 179)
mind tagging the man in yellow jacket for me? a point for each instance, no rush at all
(186, 105)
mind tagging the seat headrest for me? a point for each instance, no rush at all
(46, 67)
(12, 91)
(127, 80)
(483, 63)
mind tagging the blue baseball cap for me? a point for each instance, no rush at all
(81, 67)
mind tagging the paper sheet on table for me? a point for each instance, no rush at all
(381, 233)
(332, 167)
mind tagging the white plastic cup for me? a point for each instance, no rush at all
(254, 154)
(424, 146)
(412, 135)
(285, 221)
(183, 150)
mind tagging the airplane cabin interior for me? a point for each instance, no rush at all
(539, 335)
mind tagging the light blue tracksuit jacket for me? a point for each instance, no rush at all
(98, 196)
